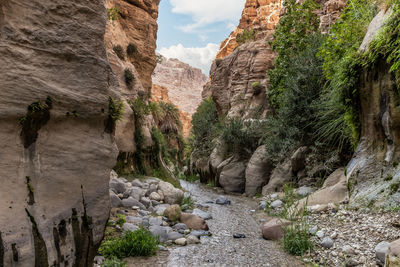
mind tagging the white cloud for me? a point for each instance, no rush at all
(205, 12)
(199, 57)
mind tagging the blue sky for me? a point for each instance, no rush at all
(191, 30)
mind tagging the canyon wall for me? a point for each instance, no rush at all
(373, 174)
(238, 85)
(131, 43)
(182, 84)
(57, 152)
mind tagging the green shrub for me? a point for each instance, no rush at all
(294, 122)
(187, 202)
(290, 38)
(241, 138)
(115, 262)
(113, 13)
(206, 126)
(339, 108)
(129, 77)
(131, 49)
(121, 219)
(119, 51)
(245, 36)
(296, 239)
(131, 244)
(115, 109)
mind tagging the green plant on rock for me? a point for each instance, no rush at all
(187, 203)
(115, 112)
(246, 36)
(119, 51)
(131, 244)
(113, 13)
(290, 38)
(121, 219)
(257, 88)
(129, 77)
(131, 49)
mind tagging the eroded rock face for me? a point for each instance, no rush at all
(260, 15)
(136, 27)
(184, 82)
(56, 160)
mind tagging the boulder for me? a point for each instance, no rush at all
(327, 242)
(145, 201)
(304, 191)
(298, 160)
(160, 232)
(134, 220)
(280, 175)
(152, 188)
(273, 229)
(180, 226)
(115, 200)
(137, 183)
(191, 239)
(393, 254)
(258, 171)
(171, 194)
(222, 200)
(113, 175)
(277, 204)
(381, 250)
(334, 191)
(130, 202)
(232, 175)
(155, 221)
(193, 221)
(155, 196)
(202, 214)
(129, 227)
(118, 186)
(161, 208)
(198, 233)
(173, 212)
(180, 241)
(135, 192)
(174, 235)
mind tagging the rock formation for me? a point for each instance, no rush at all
(373, 172)
(183, 85)
(238, 85)
(56, 151)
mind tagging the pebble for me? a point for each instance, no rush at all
(320, 234)
(327, 242)
(313, 230)
(277, 204)
(191, 239)
(222, 200)
(180, 241)
(239, 236)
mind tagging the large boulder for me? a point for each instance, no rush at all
(298, 160)
(274, 229)
(115, 200)
(118, 186)
(280, 175)
(171, 194)
(258, 171)
(232, 175)
(393, 254)
(131, 202)
(334, 191)
(193, 221)
(173, 213)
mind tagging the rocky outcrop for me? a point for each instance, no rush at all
(184, 82)
(257, 15)
(131, 42)
(372, 174)
(56, 151)
(180, 84)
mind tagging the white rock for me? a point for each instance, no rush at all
(180, 241)
(277, 204)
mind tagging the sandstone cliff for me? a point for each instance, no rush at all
(182, 85)
(57, 154)
(134, 26)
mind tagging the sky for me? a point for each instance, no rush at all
(191, 30)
